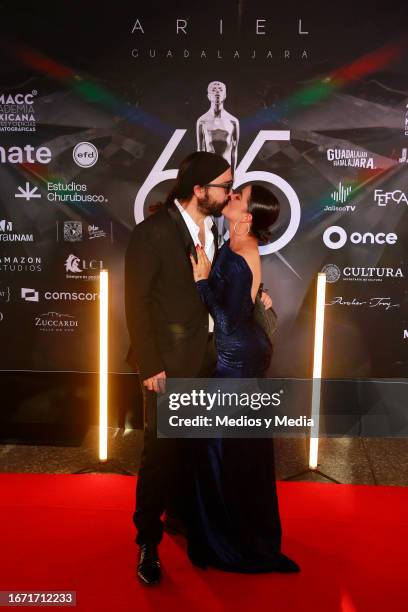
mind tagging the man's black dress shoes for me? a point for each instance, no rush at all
(148, 568)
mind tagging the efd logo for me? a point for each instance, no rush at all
(85, 154)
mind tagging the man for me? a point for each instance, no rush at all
(169, 327)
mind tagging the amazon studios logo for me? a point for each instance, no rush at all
(335, 237)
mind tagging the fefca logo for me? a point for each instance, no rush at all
(382, 198)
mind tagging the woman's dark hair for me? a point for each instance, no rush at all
(264, 207)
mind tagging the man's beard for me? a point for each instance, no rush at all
(208, 206)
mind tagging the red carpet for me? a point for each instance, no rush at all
(74, 532)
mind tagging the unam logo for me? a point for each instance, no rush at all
(71, 264)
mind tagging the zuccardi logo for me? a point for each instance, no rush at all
(158, 174)
(17, 112)
(56, 322)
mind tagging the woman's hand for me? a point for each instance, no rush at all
(266, 300)
(201, 269)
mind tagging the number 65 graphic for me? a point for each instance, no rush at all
(158, 175)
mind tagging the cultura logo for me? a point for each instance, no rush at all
(25, 155)
(369, 274)
(332, 273)
(355, 237)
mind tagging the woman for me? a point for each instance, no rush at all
(234, 519)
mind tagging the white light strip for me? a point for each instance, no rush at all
(317, 369)
(103, 365)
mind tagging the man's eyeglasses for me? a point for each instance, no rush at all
(227, 186)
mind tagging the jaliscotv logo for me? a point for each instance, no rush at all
(382, 198)
(25, 155)
(20, 264)
(336, 237)
(354, 158)
(361, 274)
(7, 234)
(32, 295)
(56, 322)
(17, 112)
(339, 197)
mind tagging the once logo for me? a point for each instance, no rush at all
(85, 154)
(335, 237)
(29, 295)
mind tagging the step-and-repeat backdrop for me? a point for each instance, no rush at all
(99, 102)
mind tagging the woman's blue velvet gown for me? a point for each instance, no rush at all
(234, 518)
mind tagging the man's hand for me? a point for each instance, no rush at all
(201, 269)
(266, 300)
(156, 383)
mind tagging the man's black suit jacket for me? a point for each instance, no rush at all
(166, 319)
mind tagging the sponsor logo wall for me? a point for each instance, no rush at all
(86, 147)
